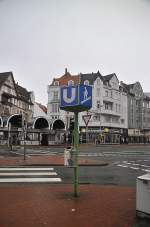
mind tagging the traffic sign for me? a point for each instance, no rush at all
(86, 119)
(76, 98)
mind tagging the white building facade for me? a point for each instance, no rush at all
(108, 115)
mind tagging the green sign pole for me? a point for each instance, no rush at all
(76, 146)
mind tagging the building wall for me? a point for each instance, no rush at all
(38, 112)
(10, 102)
(114, 116)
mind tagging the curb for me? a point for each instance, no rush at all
(54, 164)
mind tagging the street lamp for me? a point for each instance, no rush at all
(9, 136)
(24, 133)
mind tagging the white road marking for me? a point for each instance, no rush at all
(146, 170)
(122, 165)
(29, 180)
(145, 166)
(37, 175)
(29, 174)
(24, 168)
(134, 168)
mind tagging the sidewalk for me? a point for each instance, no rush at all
(53, 160)
(54, 206)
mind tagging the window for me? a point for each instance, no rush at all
(106, 93)
(98, 104)
(116, 107)
(86, 82)
(96, 118)
(122, 121)
(56, 83)
(55, 108)
(114, 84)
(9, 90)
(107, 119)
(98, 81)
(70, 83)
(98, 92)
(106, 106)
(111, 94)
(55, 95)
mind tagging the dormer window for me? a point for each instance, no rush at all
(56, 83)
(98, 81)
(86, 82)
(70, 83)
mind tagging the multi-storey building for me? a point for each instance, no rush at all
(108, 122)
(138, 113)
(14, 99)
(109, 108)
(15, 105)
(60, 120)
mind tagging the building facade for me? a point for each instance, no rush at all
(138, 113)
(108, 115)
(14, 99)
(15, 107)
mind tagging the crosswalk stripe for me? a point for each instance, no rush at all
(29, 180)
(29, 174)
(24, 168)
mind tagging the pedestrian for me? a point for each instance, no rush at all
(67, 156)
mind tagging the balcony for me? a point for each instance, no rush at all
(111, 112)
(108, 99)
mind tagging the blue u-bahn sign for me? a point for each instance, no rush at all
(76, 98)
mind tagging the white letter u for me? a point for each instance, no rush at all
(73, 95)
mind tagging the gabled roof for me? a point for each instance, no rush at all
(22, 93)
(91, 77)
(4, 76)
(127, 86)
(109, 77)
(63, 80)
(131, 87)
(42, 107)
(147, 96)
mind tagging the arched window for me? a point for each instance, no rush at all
(86, 82)
(70, 83)
(56, 83)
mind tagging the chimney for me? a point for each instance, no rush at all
(66, 71)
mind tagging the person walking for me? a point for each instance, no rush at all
(67, 156)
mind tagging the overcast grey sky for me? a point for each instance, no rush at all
(39, 38)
